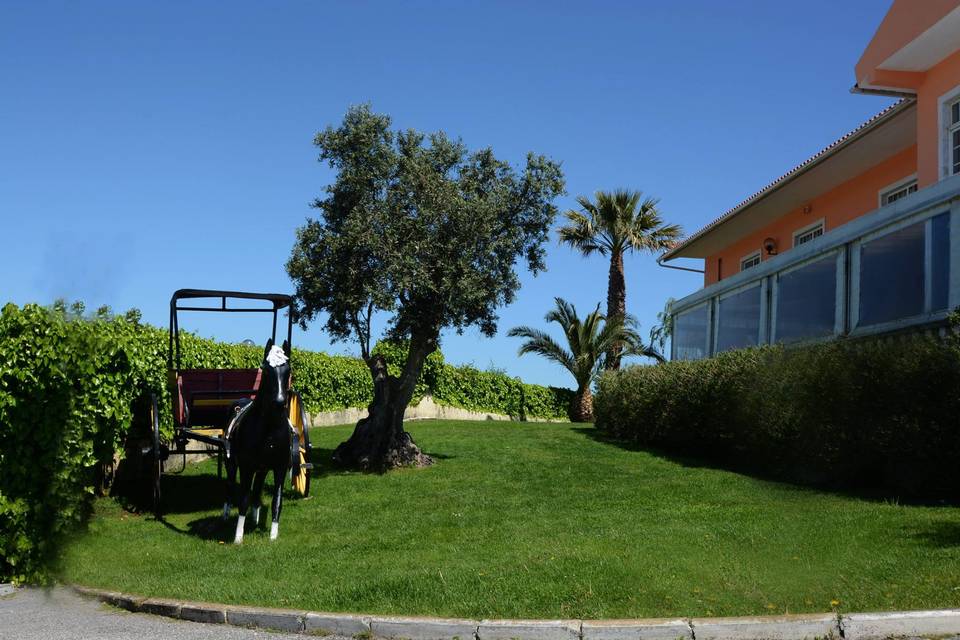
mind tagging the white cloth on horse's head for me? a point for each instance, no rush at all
(276, 357)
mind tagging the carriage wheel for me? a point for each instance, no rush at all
(307, 455)
(300, 449)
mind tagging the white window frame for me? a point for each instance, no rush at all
(892, 188)
(756, 255)
(945, 131)
(807, 229)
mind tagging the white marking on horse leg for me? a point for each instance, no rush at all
(256, 514)
(274, 530)
(226, 510)
(238, 538)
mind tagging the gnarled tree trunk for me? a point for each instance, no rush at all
(379, 441)
(616, 304)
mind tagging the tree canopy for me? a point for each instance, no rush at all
(618, 222)
(417, 226)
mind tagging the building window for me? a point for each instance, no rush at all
(953, 137)
(690, 334)
(904, 274)
(751, 260)
(901, 190)
(738, 324)
(807, 301)
(808, 233)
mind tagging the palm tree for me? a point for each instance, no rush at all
(588, 342)
(662, 331)
(614, 224)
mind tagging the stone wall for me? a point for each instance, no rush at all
(427, 408)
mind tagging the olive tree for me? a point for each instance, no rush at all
(419, 229)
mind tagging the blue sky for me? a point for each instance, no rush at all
(147, 146)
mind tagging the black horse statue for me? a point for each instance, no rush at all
(260, 439)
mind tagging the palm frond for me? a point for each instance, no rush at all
(542, 344)
(587, 340)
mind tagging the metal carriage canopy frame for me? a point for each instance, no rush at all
(279, 301)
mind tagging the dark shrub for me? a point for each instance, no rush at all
(881, 413)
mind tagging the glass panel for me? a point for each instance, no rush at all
(940, 261)
(690, 334)
(891, 276)
(955, 113)
(807, 301)
(739, 324)
(956, 151)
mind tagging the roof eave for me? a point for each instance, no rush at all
(809, 164)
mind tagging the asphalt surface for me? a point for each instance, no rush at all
(60, 614)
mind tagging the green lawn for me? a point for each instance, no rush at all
(533, 520)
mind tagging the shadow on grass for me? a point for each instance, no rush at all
(192, 492)
(216, 528)
(802, 478)
(439, 456)
(940, 535)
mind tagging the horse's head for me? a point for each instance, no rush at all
(275, 375)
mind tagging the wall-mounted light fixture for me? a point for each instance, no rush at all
(770, 246)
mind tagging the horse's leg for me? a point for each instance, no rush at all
(255, 497)
(279, 475)
(231, 485)
(246, 476)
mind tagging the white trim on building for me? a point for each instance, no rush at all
(809, 232)
(750, 260)
(896, 190)
(946, 129)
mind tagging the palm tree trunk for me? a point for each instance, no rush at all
(616, 304)
(582, 408)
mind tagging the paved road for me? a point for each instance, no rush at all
(59, 614)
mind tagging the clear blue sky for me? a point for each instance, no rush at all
(150, 146)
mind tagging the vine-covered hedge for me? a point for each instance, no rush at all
(66, 390)
(882, 413)
(478, 390)
(68, 386)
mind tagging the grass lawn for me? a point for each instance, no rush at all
(533, 520)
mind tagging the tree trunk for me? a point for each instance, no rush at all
(616, 304)
(582, 408)
(379, 441)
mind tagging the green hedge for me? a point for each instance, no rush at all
(68, 385)
(66, 390)
(477, 390)
(882, 413)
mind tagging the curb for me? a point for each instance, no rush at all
(855, 626)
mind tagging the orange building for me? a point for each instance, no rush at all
(863, 237)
